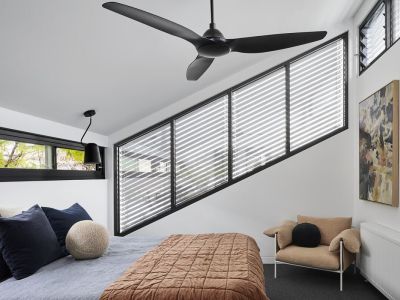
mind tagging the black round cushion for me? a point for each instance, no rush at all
(306, 235)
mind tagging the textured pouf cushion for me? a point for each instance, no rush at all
(87, 240)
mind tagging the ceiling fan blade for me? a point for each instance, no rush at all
(266, 43)
(198, 67)
(155, 22)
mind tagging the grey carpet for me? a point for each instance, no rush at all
(300, 283)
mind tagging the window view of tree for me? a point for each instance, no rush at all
(70, 159)
(18, 155)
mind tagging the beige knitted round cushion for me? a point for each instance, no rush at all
(87, 240)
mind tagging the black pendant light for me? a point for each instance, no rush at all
(92, 151)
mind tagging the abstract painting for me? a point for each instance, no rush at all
(379, 146)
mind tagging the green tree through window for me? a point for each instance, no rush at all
(20, 155)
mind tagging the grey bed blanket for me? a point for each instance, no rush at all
(68, 279)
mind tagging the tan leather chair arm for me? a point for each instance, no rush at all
(284, 233)
(351, 241)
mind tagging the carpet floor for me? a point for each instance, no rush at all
(300, 283)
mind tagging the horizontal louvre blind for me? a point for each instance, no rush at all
(317, 94)
(227, 138)
(259, 122)
(372, 37)
(396, 19)
(144, 177)
(201, 150)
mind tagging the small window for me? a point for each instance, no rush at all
(20, 155)
(30, 157)
(396, 19)
(71, 159)
(373, 36)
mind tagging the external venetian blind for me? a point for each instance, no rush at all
(201, 150)
(225, 139)
(317, 94)
(144, 177)
(396, 19)
(373, 36)
(259, 122)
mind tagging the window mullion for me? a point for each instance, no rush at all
(287, 76)
(53, 152)
(173, 166)
(388, 23)
(230, 147)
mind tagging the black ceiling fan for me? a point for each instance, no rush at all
(213, 44)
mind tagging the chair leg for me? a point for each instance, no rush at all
(275, 271)
(341, 265)
(341, 281)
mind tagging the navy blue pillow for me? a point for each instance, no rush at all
(4, 269)
(62, 220)
(27, 242)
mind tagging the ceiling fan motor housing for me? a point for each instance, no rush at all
(217, 45)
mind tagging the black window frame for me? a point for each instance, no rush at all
(15, 174)
(393, 40)
(389, 32)
(174, 206)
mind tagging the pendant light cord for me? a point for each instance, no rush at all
(212, 11)
(90, 123)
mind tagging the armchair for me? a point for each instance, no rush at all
(339, 245)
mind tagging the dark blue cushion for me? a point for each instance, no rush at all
(62, 220)
(4, 269)
(27, 242)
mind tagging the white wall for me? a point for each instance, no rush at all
(91, 194)
(318, 181)
(383, 71)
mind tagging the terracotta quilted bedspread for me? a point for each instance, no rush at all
(195, 267)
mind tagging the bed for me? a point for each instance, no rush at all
(67, 279)
(190, 267)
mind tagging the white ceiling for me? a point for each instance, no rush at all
(60, 58)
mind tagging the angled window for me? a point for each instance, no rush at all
(317, 94)
(396, 19)
(31, 157)
(231, 136)
(259, 122)
(373, 36)
(144, 177)
(201, 150)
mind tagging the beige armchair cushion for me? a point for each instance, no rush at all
(284, 233)
(329, 227)
(318, 257)
(351, 241)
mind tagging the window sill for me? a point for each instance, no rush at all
(9, 175)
